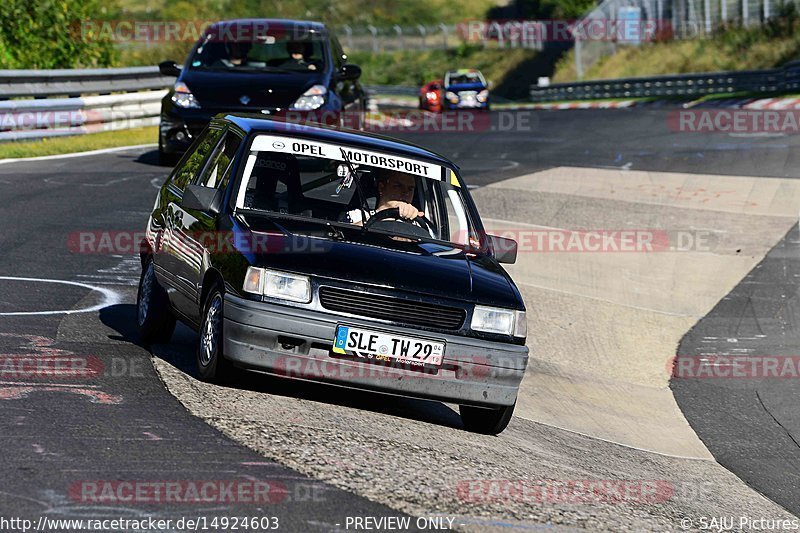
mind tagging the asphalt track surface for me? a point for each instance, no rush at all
(120, 424)
(752, 426)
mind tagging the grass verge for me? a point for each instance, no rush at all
(79, 143)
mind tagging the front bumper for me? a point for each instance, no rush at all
(178, 129)
(297, 343)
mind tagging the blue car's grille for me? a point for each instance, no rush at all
(390, 308)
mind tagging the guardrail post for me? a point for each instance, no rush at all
(399, 31)
(348, 31)
(745, 13)
(374, 31)
(422, 32)
(445, 31)
(766, 10)
(578, 59)
(723, 10)
(707, 9)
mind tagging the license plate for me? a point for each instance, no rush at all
(383, 346)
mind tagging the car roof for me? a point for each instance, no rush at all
(257, 123)
(464, 71)
(274, 23)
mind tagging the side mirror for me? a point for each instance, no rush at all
(349, 72)
(199, 198)
(505, 250)
(169, 68)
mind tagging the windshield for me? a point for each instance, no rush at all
(313, 181)
(268, 53)
(463, 78)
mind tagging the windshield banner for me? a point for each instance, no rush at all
(357, 156)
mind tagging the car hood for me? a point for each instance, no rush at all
(248, 90)
(432, 269)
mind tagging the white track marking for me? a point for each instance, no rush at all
(109, 297)
(78, 154)
(596, 298)
(688, 457)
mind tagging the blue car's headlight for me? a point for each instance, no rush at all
(184, 98)
(312, 99)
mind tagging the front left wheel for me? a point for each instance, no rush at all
(156, 321)
(211, 363)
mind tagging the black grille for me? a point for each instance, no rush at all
(390, 308)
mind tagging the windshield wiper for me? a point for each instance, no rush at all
(361, 196)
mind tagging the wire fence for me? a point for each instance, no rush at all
(665, 20)
(496, 34)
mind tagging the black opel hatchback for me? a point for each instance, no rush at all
(283, 68)
(334, 256)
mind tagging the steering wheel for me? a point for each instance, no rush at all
(394, 213)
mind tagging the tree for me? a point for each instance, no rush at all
(45, 34)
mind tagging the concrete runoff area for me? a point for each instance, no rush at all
(595, 404)
(603, 326)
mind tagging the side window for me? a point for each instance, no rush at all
(217, 172)
(194, 163)
(337, 53)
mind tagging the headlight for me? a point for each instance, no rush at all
(276, 284)
(432, 95)
(483, 95)
(311, 99)
(502, 321)
(183, 97)
(450, 95)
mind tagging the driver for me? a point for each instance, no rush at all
(237, 55)
(297, 56)
(395, 189)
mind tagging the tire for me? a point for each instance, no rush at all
(166, 159)
(488, 421)
(211, 363)
(153, 316)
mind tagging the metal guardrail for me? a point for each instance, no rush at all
(74, 82)
(49, 103)
(780, 80)
(391, 90)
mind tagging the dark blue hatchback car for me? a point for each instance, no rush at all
(278, 68)
(334, 256)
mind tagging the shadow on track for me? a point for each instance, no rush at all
(180, 353)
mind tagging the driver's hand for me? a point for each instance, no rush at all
(407, 211)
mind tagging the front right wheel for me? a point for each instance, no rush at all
(486, 420)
